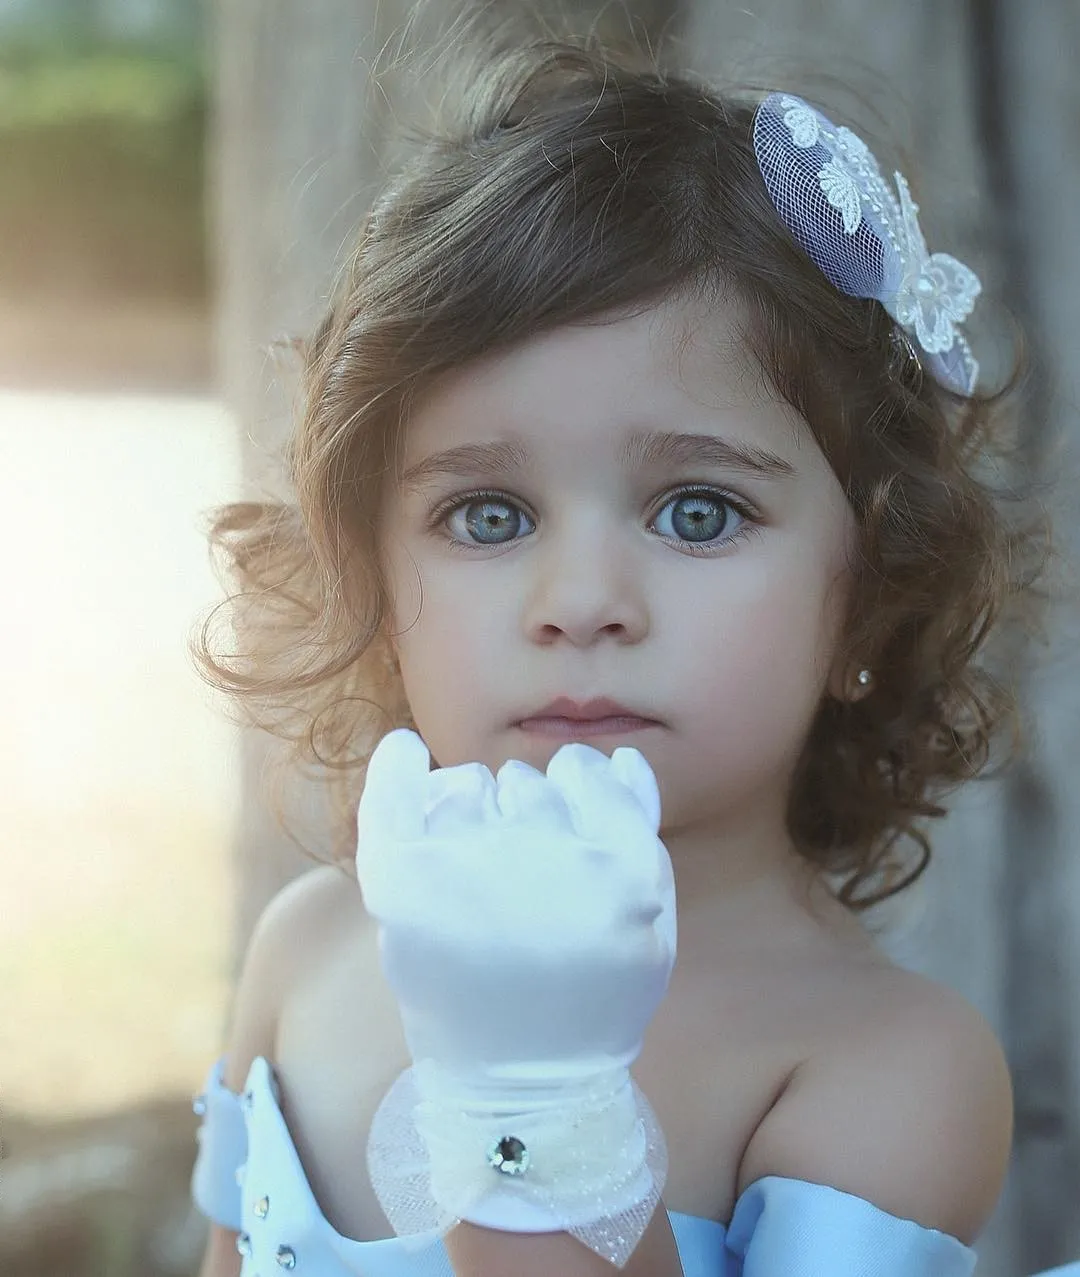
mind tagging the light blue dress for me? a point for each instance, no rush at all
(248, 1176)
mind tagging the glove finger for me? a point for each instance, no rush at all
(605, 810)
(632, 768)
(527, 796)
(395, 789)
(460, 799)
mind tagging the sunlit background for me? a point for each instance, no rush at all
(118, 774)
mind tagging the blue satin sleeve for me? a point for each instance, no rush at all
(222, 1138)
(792, 1228)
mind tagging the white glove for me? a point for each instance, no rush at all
(527, 928)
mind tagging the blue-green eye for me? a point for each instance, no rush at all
(490, 520)
(698, 517)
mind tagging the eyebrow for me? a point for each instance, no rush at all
(656, 448)
(673, 448)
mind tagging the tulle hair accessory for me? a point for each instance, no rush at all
(865, 238)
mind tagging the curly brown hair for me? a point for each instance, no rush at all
(569, 180)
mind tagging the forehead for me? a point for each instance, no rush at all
(681, 365)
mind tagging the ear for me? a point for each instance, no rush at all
(850, 682)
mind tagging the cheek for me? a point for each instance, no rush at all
(749, 688)
(764, 645)
(449, 653)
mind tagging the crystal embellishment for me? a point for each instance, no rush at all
(198, 1105)
(602, 1160)
(243, 1243)
(262, 1207)
(509, 1155)
(286, 1257)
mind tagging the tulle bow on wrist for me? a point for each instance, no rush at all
(589, 1160)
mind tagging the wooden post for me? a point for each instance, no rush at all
(296, 149)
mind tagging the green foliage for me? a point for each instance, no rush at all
(114, 87)
(126, 86)
(102, 160)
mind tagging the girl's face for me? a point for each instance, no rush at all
(582, 517)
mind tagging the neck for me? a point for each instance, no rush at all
(735, 871)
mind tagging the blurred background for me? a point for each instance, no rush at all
(178, 181)
(118, 785)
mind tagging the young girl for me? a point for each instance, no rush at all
(638, 481)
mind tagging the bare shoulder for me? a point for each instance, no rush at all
(909, 1108)
(292, 930)
(311, 902)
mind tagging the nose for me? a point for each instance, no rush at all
(586, 587)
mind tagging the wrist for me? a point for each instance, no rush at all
(526, 1088)
(536, 1155)
(588, 1158)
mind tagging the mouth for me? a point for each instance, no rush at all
(575, 720)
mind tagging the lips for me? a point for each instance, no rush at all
(571, 720)
(585, 711)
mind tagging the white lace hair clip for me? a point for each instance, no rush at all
(827, 187)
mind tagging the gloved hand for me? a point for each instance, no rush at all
(527, 928)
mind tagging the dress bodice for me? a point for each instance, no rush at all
(248, 1176)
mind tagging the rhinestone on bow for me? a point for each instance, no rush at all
(509, 1155)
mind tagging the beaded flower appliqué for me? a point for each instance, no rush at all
(928, 294)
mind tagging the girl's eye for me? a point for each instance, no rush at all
(487, 517)
(700, 520)
(700, 517)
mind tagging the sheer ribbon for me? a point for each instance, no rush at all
(590, 1160)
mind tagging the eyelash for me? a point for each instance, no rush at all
(750, 526)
